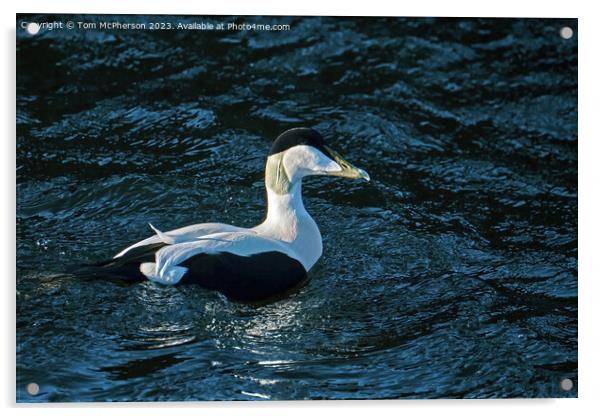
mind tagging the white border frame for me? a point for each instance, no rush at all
(590, 34)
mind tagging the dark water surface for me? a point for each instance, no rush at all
(453, 273)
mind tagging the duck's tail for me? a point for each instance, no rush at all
(109, 270)
(124, 268)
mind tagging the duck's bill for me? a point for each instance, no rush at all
(347, 169)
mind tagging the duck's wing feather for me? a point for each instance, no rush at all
(181, 235)
(168, 268)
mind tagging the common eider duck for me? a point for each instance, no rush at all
(245, 264)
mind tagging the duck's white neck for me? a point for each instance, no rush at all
(286, 213)
(287, 220)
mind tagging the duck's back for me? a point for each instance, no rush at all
(184, 234)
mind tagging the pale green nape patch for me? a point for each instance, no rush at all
(276, 178)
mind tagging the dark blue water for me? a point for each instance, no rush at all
(453, 273)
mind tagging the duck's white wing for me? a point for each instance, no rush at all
(182, 235)
(167, 267)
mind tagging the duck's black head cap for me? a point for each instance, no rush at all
(299, 136)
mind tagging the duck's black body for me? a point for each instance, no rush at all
(245, 279)
(248, 279)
